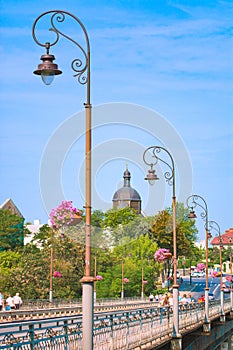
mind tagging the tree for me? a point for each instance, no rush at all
(115, 217)
(186, 232)
(123, 225)
(97, 218)
(11, 230)
(137, 258)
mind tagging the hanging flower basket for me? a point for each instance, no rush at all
(57, 274)
(162, 255)
(99, 278)
(200, 267)
(229, 279)
(64, 215)
(215, 274)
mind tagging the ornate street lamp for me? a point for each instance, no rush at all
(81, 67)
(194, 201)
(151, 157)
(213, 225)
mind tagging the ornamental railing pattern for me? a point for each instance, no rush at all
(125, 329)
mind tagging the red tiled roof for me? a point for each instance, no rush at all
(227, 238)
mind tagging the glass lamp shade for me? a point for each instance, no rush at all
(47, 78)
(151, 177)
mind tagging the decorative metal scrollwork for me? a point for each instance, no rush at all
(169, 175)
(194, 201)
(81, 67)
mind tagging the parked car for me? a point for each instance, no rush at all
(198, 274)
(226, 287)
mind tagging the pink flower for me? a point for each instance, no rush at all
(57, 274)
(99, 278)
(162, 254)
(144, 282)
(215, 274)
(229, 279)
(125, 280)
(63, 215)
(200, 267)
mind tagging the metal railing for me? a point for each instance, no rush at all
(122, 329)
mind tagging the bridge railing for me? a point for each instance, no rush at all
(123, 329)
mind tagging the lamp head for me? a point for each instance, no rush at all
(151, 176)
(192, 214)
(47, 69)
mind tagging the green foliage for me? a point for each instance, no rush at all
(11, 230)
(115, 217)
(186, 232)
(124, 225)
(28, 270)
(135, 259)
(122, 242)
(97, 218)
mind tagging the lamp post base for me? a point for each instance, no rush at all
(50, 296)
(222, 318)
(176, 343)
(88, 311)
(207, 328)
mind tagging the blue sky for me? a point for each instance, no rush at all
(171, 57)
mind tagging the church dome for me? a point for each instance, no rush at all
(127, 196)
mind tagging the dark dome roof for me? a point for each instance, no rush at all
(126, 193)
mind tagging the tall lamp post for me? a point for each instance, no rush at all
(143, 281)
(213, 225)
(194, 201)
(81, 68)
(151, 158)
(51, 271)
(122, 278)
(230, 256)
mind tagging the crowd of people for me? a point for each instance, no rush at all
(166, 300)
(11, 302)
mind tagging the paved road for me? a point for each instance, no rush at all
(198, 285)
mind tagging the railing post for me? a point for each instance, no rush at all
(222, 312)
(66, 335)
(231, 312)
(31, 335)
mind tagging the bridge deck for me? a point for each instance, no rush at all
(143, 327)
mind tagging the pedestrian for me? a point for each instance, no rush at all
(184, 299)
(17, 301)
(151, 297)
(201, 299)
(10, 302)
(191, 299)
(165, 300)
(170, 299)
(1, 301)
